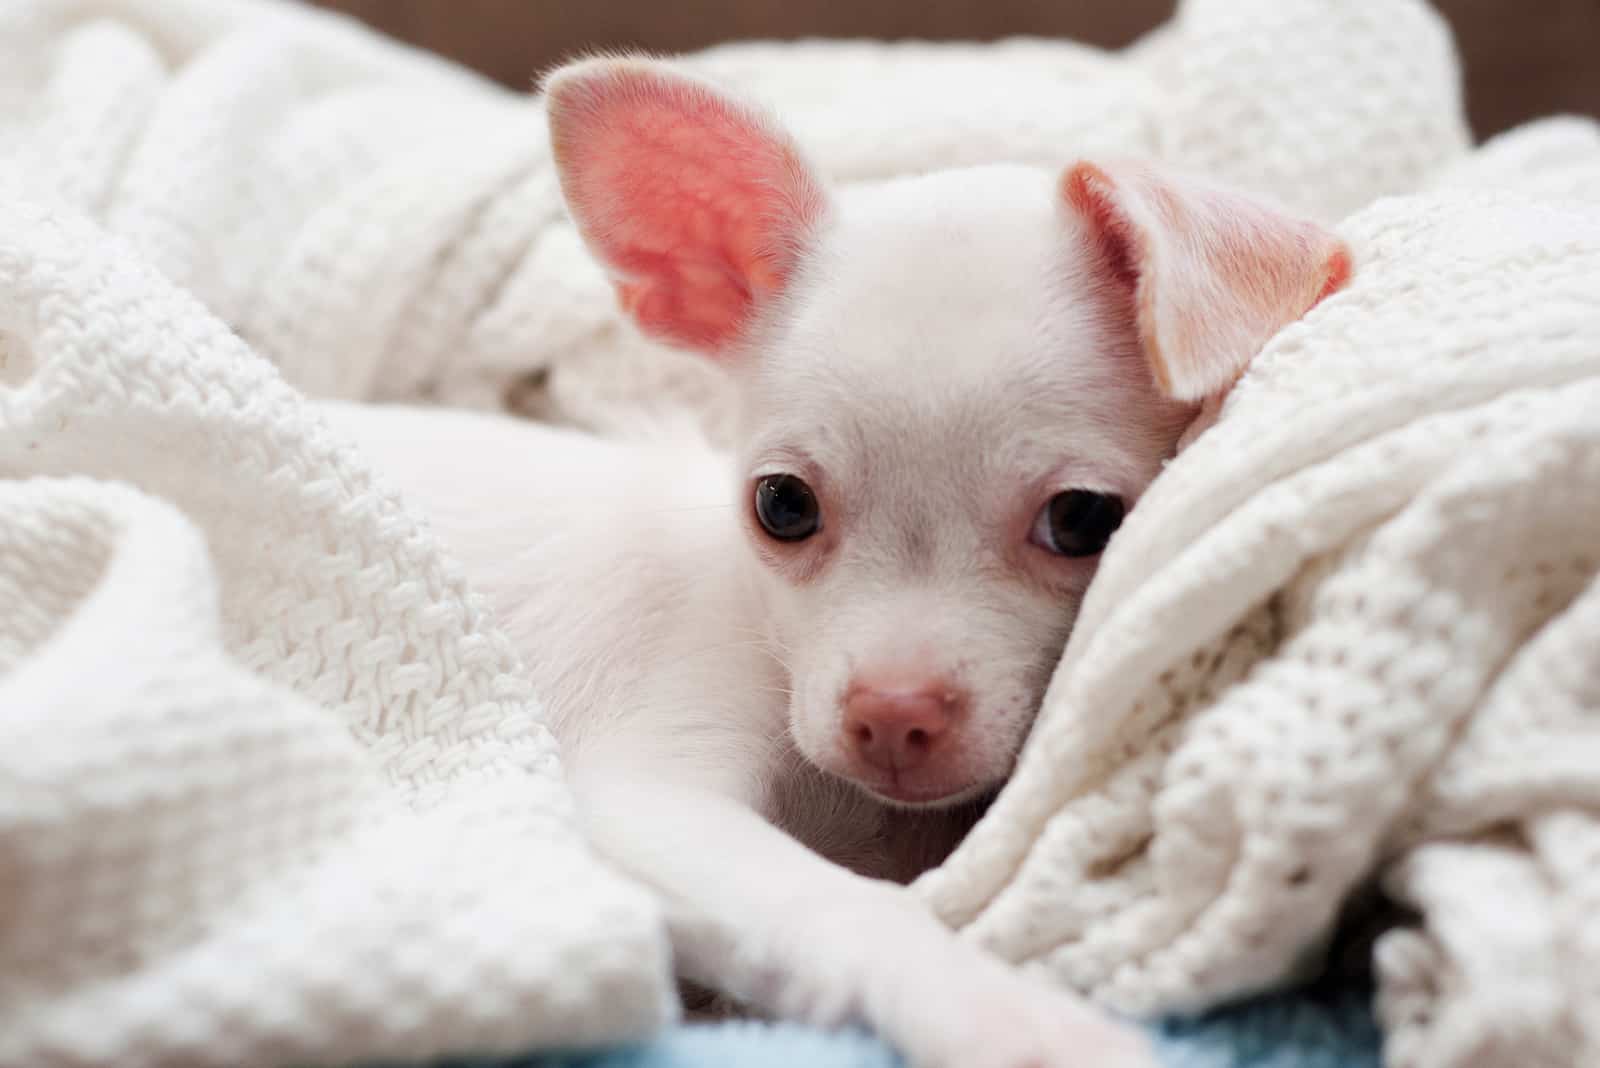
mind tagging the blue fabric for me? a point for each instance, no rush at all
(1303, 1029)
(1308, 1029)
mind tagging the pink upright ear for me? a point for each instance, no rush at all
(698, 205)
(1214, 273)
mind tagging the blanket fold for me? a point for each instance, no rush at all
(249, 714)
(382, 225)
(1347, 630)
(272, 788)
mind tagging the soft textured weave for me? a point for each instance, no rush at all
(270, 763)
(383, 225)
(272, 788)
(1355, 628)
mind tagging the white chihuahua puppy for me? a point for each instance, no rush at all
(954, 386)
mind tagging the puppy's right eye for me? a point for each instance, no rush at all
(1077, 522)
(786, 508)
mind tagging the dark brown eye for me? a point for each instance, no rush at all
(786, 508)
(1077, 522)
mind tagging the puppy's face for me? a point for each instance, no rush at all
(945, 421)
(955, 387)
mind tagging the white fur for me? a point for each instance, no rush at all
(668, 649)
(945, 362)
(624, 576)
(937, 356)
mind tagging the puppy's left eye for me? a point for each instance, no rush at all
(1077, 522)
(786, 508)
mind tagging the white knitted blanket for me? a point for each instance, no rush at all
(272, 788)
(380, 224)
(1355, 628)
(262, 757)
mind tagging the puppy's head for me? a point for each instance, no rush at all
(955, 386)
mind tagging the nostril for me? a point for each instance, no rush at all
(901, 729)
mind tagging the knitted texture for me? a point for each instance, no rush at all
(382, 225)
(1352, 629)
(271, 785)
(312, 804)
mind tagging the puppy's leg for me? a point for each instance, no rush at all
(755, 913)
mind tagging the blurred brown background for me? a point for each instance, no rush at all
(1523, 58)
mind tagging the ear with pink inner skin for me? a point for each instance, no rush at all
(1215, 274)
(696, 204)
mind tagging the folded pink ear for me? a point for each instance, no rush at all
(1214, 273)
(697, 204)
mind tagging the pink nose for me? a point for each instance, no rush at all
(897, 729)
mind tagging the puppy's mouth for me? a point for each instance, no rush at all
(904, 791)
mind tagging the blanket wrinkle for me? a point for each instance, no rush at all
(1409, 555)
(272, 787)
(1348, 634)
(382, 225)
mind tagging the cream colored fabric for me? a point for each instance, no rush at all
(1346, 632)
(380, 224)
(272, 787)
(1353, 629)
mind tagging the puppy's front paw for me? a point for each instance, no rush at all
(982, 1014)
(1000, 1019)
(941, 1002)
